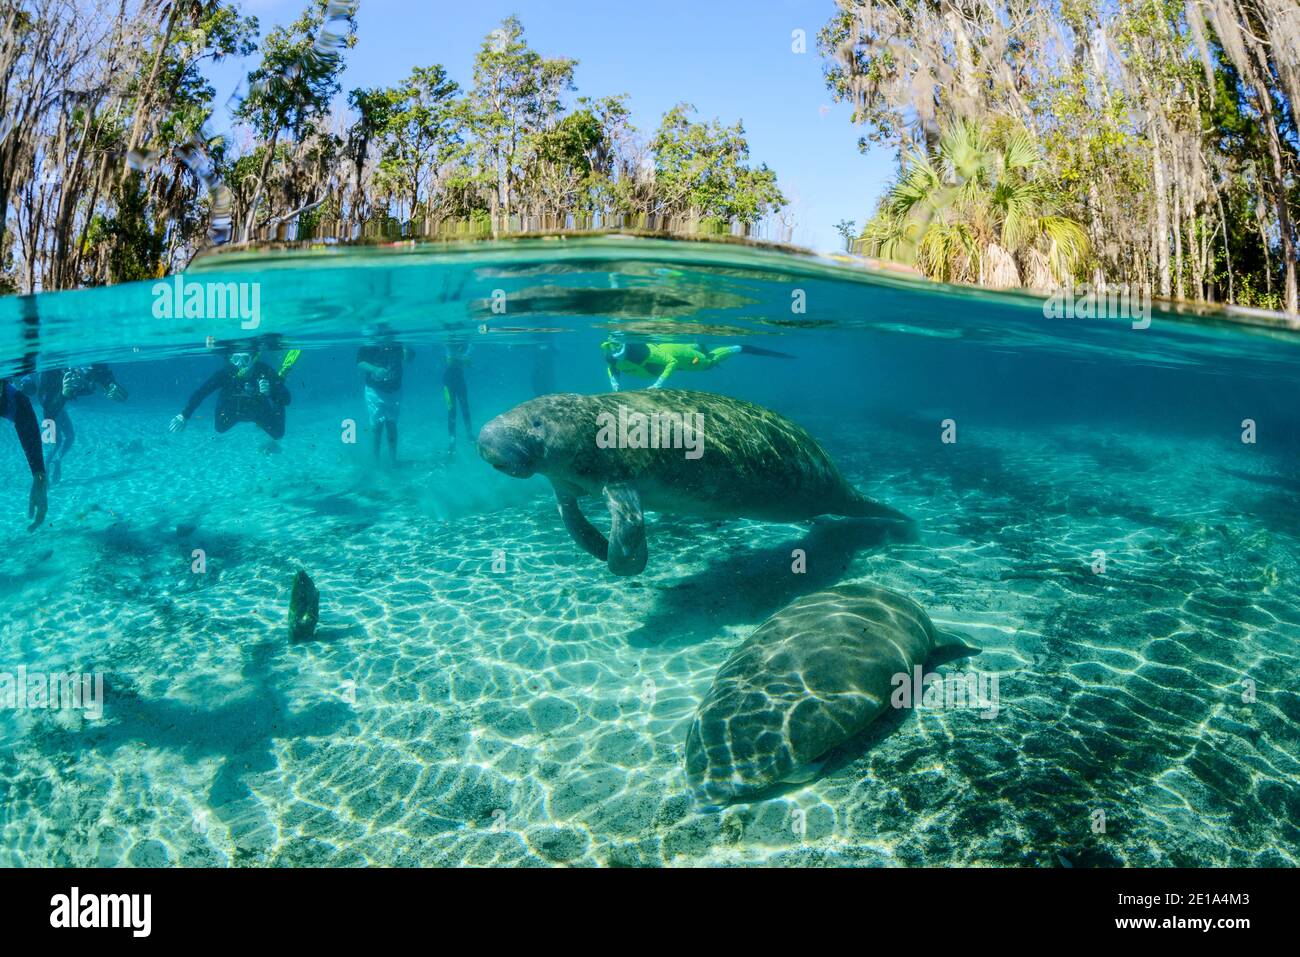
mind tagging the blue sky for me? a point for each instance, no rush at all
(730, 58)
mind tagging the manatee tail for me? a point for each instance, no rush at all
(756, 351)
(859, 506)
(949, 646)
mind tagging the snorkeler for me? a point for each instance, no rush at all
(53, 388)
(17, 408)
(658, 360)
(250, 391)
(454, 391)
(381, 361)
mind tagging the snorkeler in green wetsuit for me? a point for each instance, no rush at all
(659, 360)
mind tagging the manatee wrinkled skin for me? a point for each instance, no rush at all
(751, 463)
(808, 679)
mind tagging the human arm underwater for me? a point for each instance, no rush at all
(213, 383)
(102, 376)
(377, 372)
(272, 386)
(669, 366)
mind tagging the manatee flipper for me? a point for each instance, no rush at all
(627, 548)
(949, 646)
(583, 532)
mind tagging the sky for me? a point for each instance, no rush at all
(730, 58)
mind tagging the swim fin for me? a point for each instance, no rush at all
(756, 351)
(290, 360)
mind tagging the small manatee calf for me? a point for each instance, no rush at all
(694, 454)
(304, 608)
(807, 680)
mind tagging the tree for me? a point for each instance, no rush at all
(516, 95)
(847, 228)
(419, 133)
(702, 170)
(292, 88)
(976, 209)
(1168, 127)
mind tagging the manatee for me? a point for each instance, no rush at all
(808, 679)
(694, 454)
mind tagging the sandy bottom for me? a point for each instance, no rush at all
(481, 693)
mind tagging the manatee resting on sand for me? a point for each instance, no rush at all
(808, 679)
(694, 454)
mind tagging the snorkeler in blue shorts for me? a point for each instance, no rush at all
(380, 361)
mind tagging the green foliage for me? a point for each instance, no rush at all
(955, 211)
(418, 130)
(424, 156)
(703, 168)
(134, 246)
(293, 85)
(1168, 131)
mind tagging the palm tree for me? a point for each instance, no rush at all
(974, 209)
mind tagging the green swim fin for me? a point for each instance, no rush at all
(290, 360)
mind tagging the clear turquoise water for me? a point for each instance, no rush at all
(453, 711)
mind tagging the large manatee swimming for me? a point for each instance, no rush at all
(687, 453)
(808, 679)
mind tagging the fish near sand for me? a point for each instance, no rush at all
(304, 608)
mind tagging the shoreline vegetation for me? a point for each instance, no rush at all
(1109, 143)
(1140, 143)
(844, 265)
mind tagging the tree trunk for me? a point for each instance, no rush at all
(1162, 216)
(261, 182)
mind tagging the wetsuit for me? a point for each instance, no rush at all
(53, 388)
(658, 360)
(454, 391)
(16, 407)
(241, 399)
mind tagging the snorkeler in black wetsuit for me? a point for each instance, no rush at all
(53, 388)
(454, 390)
(16, 407)
(250, 391)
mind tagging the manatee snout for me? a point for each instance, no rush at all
(508, 448)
